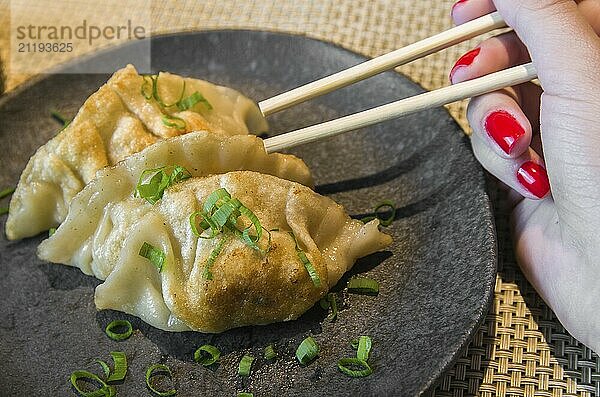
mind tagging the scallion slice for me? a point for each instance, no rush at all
(190, 101)
(6, 192)
(116, 324)
(307, 351)
(103, 391)
(120, 367)
(330, 301)
(174, 122)
(153, 254)
(364, 347)
(105, 368)
(245, 395)
(312, 272)
(215, 199)
(155, 370)
(207, 274)
(157, 97)
(354, 367)
(61, 119)
(270, 353)
(363, 285)
(245, 365)
(380, 210)
(147, 87)
(206, 222)
(251, 241)
(207, 355)
(51, 231)
(153, 182)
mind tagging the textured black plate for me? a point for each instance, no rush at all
(436, 279)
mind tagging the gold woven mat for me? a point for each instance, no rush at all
(521, 349)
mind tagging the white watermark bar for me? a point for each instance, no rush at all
(48, 35)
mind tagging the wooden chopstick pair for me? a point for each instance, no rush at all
(492, 82)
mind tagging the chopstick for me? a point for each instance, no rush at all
(382, 63)
(492, 82)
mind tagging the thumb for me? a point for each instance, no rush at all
(566, 52)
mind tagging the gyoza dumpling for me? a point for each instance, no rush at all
(123, 117)
(211, 284)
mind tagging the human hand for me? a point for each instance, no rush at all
(521, 132)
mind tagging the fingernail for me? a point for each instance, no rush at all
(534, 178)
(457, 3)
(504, 129)
(464, 61)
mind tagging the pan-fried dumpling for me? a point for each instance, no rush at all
(42, 205)
(123, 117)
(210, 284)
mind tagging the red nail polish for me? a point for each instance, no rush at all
(457, 3)
(504, 129)
(534, 178)
(465, 60)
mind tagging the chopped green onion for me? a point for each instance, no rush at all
(155, 370)
(225, 211)
(251, 241)
(207, 355)
(330, 301)
(157, 97)
(364, 347)
(192, 100)
(245, 395)
(354, 343)
(110, 330)
(212, 258)
(179, 174)
(314, 276)
(245, 365)
(270, 353)
(120, 368)
(103, 391)
(380, 210)
(51, 231)
(307, 351)
(61, 119)
(347, 365)
(204, 224)
(3, 210)
(147, 87)
(153, 254)
(363, 285)
(153, 182)
(6, 192)
(216, 199)
(174, 122)
(105, 368)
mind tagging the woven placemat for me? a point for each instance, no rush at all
(521, 349)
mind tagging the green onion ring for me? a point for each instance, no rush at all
(104, 390)
(120, 367)
(6, 192)
(116, 324)
(155, 255)
(207, 355)
(270, 353)
(363, 285)
(307, 351)
(212, 258)
(345, 365)
(312, 272)
(364, 347)
(174, 122)
(245, 365)
(154, 370)
(105, 368)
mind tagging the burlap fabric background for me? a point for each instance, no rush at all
(521, 349)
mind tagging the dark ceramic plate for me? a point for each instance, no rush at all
(436, 279)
